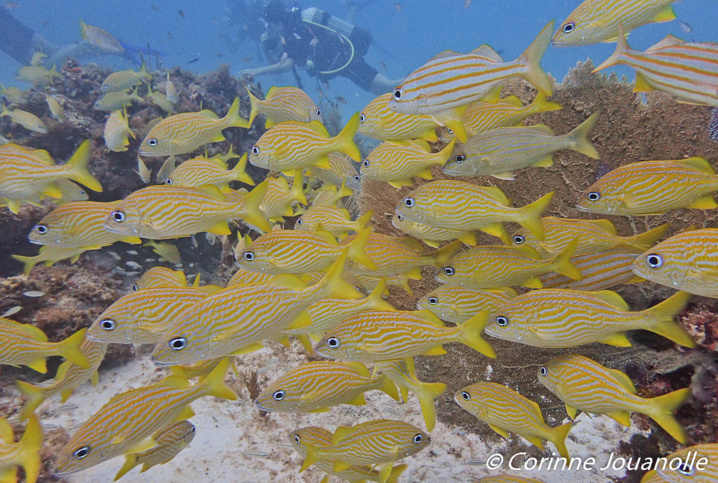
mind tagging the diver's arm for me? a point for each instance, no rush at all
(77, 50)
(284, 65)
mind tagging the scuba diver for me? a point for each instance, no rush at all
(325, 46)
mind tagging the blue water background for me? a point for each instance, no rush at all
(406, 33)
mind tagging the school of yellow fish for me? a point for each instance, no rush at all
(323, 281)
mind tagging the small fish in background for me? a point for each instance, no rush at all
(166, 251)
(379, 122)
(117, 131)
(49, 255)
(685, 27)
(143, 171)
(467, 4)
(247, 60)
(125, 79)
(283, 104)
(171, 90)
(194, 60)
(37, 58)
(10, 5)
(38, 75)
(160, 277)
(27, 120)
(154, 7)
(100, 38)
(181, 13)
(713, 125)
(55, 108)
(13, 94)
(398, 7)
(112, 101)
(26, 345)
(160, 100)
(25, 453)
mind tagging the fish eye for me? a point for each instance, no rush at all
(255, 150)
(418, 439)
(82, 193)
(169, 181)
(178, 343)
(300, 222)
(278, 395)
(192, 429)
(400, 217)
(594, 196)
(319, 113)
(118, 216)
(333, 342)
(449, 271)
(654, 260)
(398, 93)
(519, 239)
(356, 177)
(366, 163)
(362, 118)
(108, 324)
(409, 202)
(41, 229)
(249, 256)
(152, 142)
(568, 28)
(433, 301)
(686, 469)
(543, 371)
(465, 395)
(460, 158)
(81, 453)
(502, 321)
(297, 439)
(135, 287)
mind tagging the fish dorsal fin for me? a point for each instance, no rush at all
(542, 128)
(143, 445)
(699, 163)
(508, 291)
(497, 194)
(328, 237)
(340, 433)
(604, 225)
(283, 183)
(43, 156)
(288, 281)
(444, 55)
(528, 251)
(412, 244)
(429, 317)
(536, 409)
(33, 332)
(612, 298)
(669, 41)
(270, 93)
(213, 192)
(219, 162)
(420, 144)
(208, 113)
(623, 380)
(488, 52)
(359, 368)
(512, 101)
(318, 128)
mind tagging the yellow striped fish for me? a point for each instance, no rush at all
(158, 277)
(171, 90)
(58, 113)
(247, 277)
(394, 256)
(100, 38)
(686, 70)
(403, 374)
(459, 304)
(380, 442)
(294, 251)
(166, 251)
(500, 152)
(379, 122)
(279, 199)
(568, 318)
(341, 172)
(198, 172)
(399, 163)
(370, 283)
(49, 255)
(430, 235)
(69, 377)
(586, 385)
(486, 267)
(653, 477)
(505, 410)
(183, 133)
(161, 212)
(318, 385)
(37, 74)
(653, 187)
(79, 224)
(319, 437)
(295, 145)
(25, 453)
(593, 236)
(328, 195)
(692, 469)
(142, 317)
(113, 101)
(26, 345)
(282, 104)
(597, 21)
(507, 479)
(125, 79)
(457, 205)
(117, 131)
(27, 172)
(389, 336)
(27, 120)
(451, 80)
(336, 221)
(169, 442)
(236, 320)
(598, 271)
(483, 116)
(160, 100)
(687, 261)
(123, 424)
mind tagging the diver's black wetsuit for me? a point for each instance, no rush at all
(16, 39)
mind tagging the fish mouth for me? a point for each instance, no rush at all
(161, 363)
(262, 408)
(583, 208)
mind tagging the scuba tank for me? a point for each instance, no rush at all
(360, 38)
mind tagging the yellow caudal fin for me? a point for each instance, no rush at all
(562, 262)
(427, 393)
(665, 15)
(661, 319)
(542, 104)
(252, 212)
(644, 241)
(363, 221)
(215, 382)
(233, 119)
(70, 349)
(131, 460)
(441, 256)
(356, 249)
(558, 438)
(579, 137)
(298, 187)
(443, 156)
(530, 216)
(29, 262)
(239, 172)
(77, 168)
(256, 107)
(375, 300)
(621, 48)
(396, 473)
(532, 58)
(333, 285)
(661, 410)
(30, 447)
(345, 139)
(470, 334)
(34, 396)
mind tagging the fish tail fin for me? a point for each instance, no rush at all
(215, 382)
(396, 473)
(77, 166)
(30, 447)
(233, 119)
(131, 460)
(239, 172)
(644, 241)
(356, 249)
(470, 334)
(558, 438)
(70, 349)
(532, 58)
(363, 221)
(531, 215)
(661, 410)
(562, 262)
(375, 300)
(389, 388)
(298, 187)
(145, 73)
(542, 104)
(660, 319)
(427, 393)
(29, 262)
(580, 137)
(615, 58)
(345, 139)
(311, 458)
(441, 256)
(333, 285)
(35, 397)
(344, 191)
(444, 155)
(255, 104)
(83, 30)
(252, 201)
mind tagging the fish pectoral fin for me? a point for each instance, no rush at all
(360, 400)
(497, 230)
(435, 351)
(341, 466)
(533, 282)
(278, 263)
(186, 413)
(572, 411)
(501, 431)
(617, 340)
(611, 297)
(705, 203)
(621, 417)
(323, 163)
(642, 84)
(220, 228)
(250, 348)
(52, 191)
(665, 15)
(143, 445)
(385, 471)
(218, 138)
(534, 440)
(319, 410)
(507, 175)
(373, 349)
